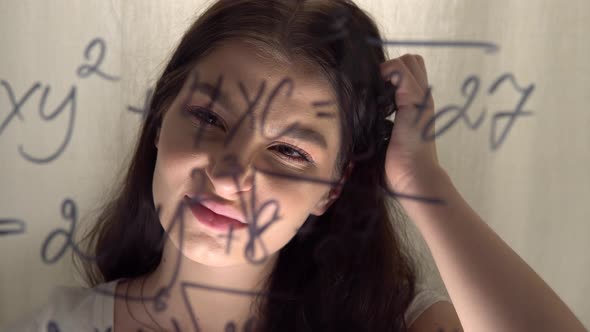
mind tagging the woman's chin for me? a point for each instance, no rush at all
(208, 252)
(211, 259)
(206, 249)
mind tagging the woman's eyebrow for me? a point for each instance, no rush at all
(296, 132)
(307, 134)
(216, 95)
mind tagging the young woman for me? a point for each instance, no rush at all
(256, 196)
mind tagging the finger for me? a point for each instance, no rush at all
(390, 71)
(415, 64)
(415, 105)
(419, 69)
(422, 65)
(408, 90)
(411, 61)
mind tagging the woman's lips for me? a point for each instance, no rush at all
(203, 212)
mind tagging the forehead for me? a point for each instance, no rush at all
(248, 70)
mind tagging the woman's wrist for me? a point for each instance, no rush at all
(423, 181)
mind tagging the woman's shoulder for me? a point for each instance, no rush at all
(71, 309)
(424, 297)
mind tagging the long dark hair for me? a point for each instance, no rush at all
(346, 270)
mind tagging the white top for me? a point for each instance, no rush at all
(85, 309)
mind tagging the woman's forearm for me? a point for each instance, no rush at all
(491, 287)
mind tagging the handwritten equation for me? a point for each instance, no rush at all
(57, 243)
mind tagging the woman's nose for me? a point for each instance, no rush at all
(230, 174)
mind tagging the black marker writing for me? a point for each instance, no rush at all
(470, 89)
(255, 229)
(52, 326)
(16, 104)
(69, 103)
(146, 104)
(495, 142)
(68, 212)
(86, 69)
(214, 91)
(486, 46)
(12, 226)
(249, 113)
(256, 226)
(230, 238)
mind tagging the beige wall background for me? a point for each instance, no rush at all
(532, 190)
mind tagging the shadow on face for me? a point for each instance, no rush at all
(251, 143)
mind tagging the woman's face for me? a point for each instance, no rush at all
(255, 151)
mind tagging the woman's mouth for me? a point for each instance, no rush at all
(215, 215)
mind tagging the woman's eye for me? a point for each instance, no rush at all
(206, 116)
(293, 153)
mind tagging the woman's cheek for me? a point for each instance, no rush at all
(178, 155)
(173, 178)
(293, 202)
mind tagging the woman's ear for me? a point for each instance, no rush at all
(331, 196)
